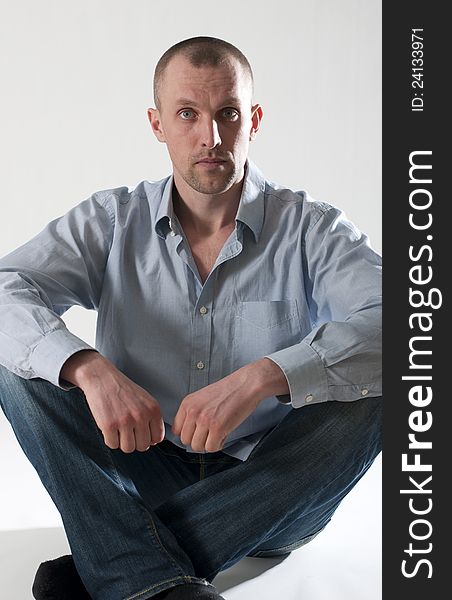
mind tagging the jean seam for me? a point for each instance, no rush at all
(156, 537)
(202, 467)
(107, 453)
(184, 578)
(294, 545)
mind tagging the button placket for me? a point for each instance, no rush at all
(202, 319)
(201, 343)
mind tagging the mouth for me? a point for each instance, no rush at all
(210, 164)
(210, 161)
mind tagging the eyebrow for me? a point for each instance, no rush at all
(189, 102)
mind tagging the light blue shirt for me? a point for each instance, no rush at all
(295, 281)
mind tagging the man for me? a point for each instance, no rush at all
(233, 398)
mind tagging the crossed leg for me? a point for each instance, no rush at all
(142, 523)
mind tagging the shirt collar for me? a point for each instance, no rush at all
(250, 211)
(251, 206)
(165, 215)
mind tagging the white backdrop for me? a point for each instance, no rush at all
(76, 81)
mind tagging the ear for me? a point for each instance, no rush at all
(156, 124)
(256, 117)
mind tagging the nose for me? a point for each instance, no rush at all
(210, 136)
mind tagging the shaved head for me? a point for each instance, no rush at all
(200, 52)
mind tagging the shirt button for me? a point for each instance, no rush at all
(173, 233)
(203, 310)
(309, 398)
(200, 365)
(364, 392)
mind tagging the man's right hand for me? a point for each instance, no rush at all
(128, 416)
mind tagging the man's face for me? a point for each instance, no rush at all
(206, 120)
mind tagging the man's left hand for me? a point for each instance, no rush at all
(206, 417)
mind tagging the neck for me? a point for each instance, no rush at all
(206, 214)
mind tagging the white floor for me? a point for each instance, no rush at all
(342, 563)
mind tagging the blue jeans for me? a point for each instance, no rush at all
(143, 522)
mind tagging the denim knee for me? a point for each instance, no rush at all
(33, 399)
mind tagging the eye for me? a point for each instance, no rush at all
(230, 113)
(187, 114)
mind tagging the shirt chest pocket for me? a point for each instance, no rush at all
(263, 327)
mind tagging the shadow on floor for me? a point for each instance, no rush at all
(22, 551)
(245, 570)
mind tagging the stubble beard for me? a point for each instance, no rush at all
(217, 183)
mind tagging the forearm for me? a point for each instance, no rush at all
(267, 378)
(83, 367)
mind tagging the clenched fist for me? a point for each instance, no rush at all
(127, 415)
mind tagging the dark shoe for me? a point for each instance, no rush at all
(58, 580)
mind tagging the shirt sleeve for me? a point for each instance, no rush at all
(60, 267)
(340, 359)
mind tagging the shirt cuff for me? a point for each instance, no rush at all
(305, 374)
(50, 354)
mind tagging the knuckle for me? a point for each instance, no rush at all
(216, 428)
(204, 420)
(111, 444)
(187, 399)
(142, 447)
(191, 412)
(127, 449)
(153, 413)
(125, 421)
(210, 447)
(156, 439)
(109, 430)
(136, 413)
